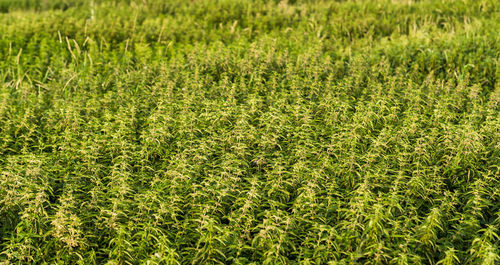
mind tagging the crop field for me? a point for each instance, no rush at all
(249, 132)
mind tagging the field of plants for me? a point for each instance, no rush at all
(250, 132)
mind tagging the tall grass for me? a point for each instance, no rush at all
(237, 132)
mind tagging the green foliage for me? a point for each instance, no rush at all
(249, 132)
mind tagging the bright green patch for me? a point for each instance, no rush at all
(249, 132)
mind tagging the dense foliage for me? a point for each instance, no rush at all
(238, 132)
